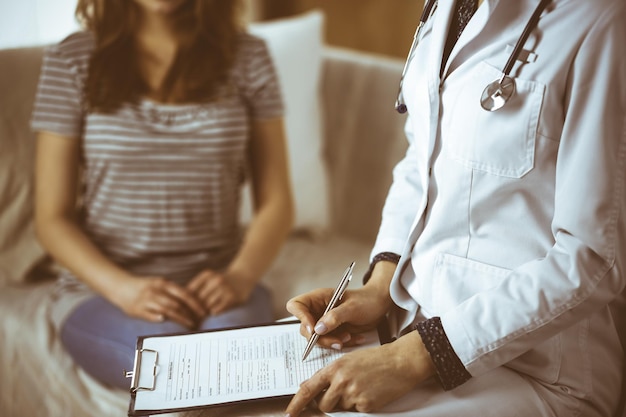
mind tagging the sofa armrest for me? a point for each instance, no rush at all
(363, 136)
(19, 250)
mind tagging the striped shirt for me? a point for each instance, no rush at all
(161, 183)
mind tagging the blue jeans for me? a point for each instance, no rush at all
(102, 339)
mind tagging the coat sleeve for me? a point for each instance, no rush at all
(403, 197)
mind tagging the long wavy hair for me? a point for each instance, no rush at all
(207, 32)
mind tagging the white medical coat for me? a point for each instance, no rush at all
(513, 220)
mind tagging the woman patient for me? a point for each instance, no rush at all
(147, 123)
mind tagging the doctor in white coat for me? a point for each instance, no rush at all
(508, 226)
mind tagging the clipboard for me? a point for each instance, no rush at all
(197, 370)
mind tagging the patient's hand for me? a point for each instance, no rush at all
(216, 292)
(157, 299)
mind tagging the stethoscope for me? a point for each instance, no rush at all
(497, 93)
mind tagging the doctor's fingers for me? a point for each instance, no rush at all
(309, 307)
(309, 390)
(333, 326)
(337, 396)
(331, 388)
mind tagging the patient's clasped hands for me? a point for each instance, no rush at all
(157, 299)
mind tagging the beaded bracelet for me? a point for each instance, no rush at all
(383, 256)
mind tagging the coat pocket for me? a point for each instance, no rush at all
(456, 279)
(501, 142)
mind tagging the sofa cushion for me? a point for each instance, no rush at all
(295, 44)
(305, 264)
(19, 250)
(362, 144)
(33, 360)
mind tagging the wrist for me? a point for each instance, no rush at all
(119, 289)
(380, 279)
(413, 357)
(448, 367)
(424, 361)
(241, 280)
(110, 282)
(388, 258)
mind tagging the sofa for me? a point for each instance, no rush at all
(361, 139)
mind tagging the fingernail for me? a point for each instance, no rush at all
(287, 415)
(320, 328)
(308, 329)
(336, 346)
(346, 338)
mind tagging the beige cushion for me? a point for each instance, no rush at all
(363, 137)
(305, 264)
(19, 250)
(33, 364)
(295, 44)
(618, 308)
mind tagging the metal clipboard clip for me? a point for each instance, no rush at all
(134, 374)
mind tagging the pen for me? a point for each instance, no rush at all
(337, 295)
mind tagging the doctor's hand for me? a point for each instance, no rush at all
(359, 311)
(366, 380)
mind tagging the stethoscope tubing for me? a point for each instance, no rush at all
(427, 12)
(533, 22)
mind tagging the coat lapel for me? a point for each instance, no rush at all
(473, 28)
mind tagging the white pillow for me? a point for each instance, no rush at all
(295, 44)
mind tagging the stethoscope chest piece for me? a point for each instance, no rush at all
(497, 93)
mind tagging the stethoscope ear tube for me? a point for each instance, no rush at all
(400, 106)
(428, 10)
